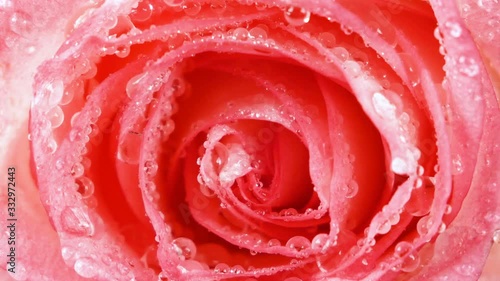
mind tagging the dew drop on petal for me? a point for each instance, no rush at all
(320, 242)
(55, 116)
(327, 39)
(297, 16)
(85, 187)
(496, 236)
(383, 106)
(298, 243)
(237, 269)
(399, 166)
(384, 227)
(410, 263)
(77, 170)
(222, 268)
(184, 247)
(85, 268)
(150, 168)
(76, 221)
(173, 3)
(257, 32)
(143, 12)
(273, 243)
(130, 147)
(402, 248)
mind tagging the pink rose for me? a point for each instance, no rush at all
(304, 140)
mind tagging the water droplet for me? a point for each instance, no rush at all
(192, 8)
(288, 212)
(77, 170)
(399, 166)
(384, 227)
(184, 247)
(273, 243)
(442, 228)
(150, 168)
(341, 53)
(21, 23)
(448, 209)
(351, 189)
(327, 39)
(76, 221)
(178, 86)
(143, 11)
(130, 147)
(346, 29)
(423, 225)
(402, 248)
(298, 243)
(454, 29)
(55, 116)
(297, 16)
(383, 106)
(85, 268)
(237, 269)
(218, 6)
(220, 155)
(222, 268)
(85, 187)
(457, 165)
(122, 51)
(240, 33)
(258, 33)
(67, 253)
(133, 83)
(468, 66)
(321, 242)
(410, 263)
(496, 236)
(173, 3)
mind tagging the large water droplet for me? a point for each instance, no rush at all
(327, 39)
(77, 170)
(143, 11)
(457, 165)
(85, 268)
(402, 248)
(454, 29)
(321, 242)
(383, 106)
(423, 225)
(21, 23)
(130, 147)
(150, 168)
(133, 84)
(297, 16)
(184, 247)
(75, 221)
(85, 187)
(410, 263)
(399, 166)
(351, 189)
(273, 242)
(496, 236)
(173, 3)
(222, 268)
(258, 33)
(298, 243)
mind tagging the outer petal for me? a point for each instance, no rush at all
(31, 33)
